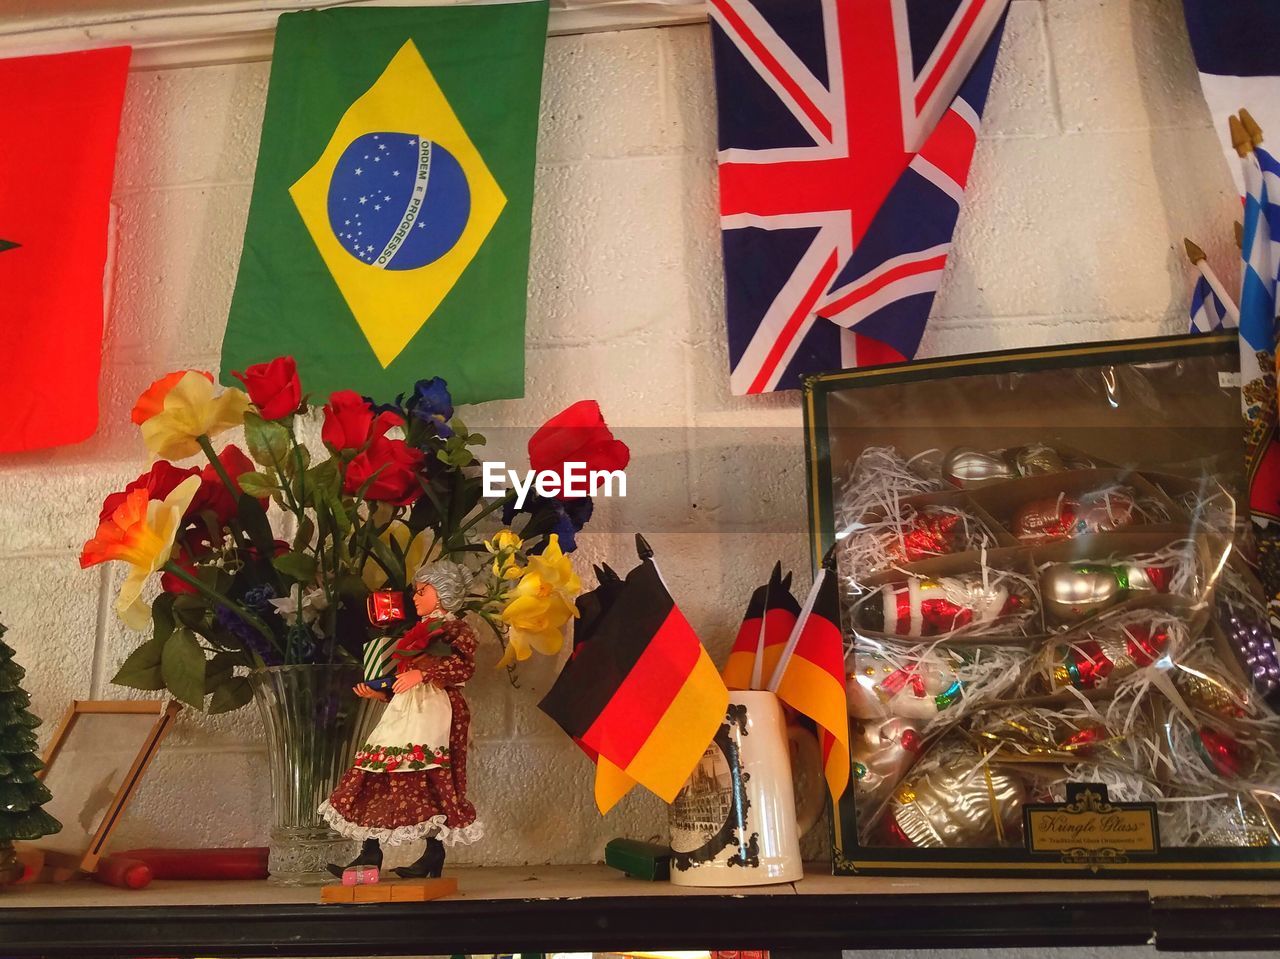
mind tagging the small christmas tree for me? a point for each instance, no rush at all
(21, 794)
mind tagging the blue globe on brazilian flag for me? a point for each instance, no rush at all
(388, 234)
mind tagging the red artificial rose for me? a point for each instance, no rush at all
(577, 435)
(386, 421)
(273, 387)
(161, 480)
(213, 493)
(394, 467)
(347, 420)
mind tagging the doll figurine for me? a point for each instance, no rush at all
(409, 781)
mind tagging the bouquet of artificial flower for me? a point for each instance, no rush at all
(268, 557)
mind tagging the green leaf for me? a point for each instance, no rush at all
(254, 520)
(476, 439)
(306, 529)
(220, 670)
(323, 478)
(162, 618)
(267, 440)
(141, 670)
(182, 665)
(458, 426)
(190, 609)
(291, 461)
(394, 568)
(340, 518)
(232, 694)
(297, 564)
(258, 485)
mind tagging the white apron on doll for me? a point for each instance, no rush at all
(413, 734)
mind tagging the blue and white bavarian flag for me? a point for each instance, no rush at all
(1207, 312)
(1261, 261)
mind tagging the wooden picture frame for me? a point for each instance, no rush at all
(164, 712)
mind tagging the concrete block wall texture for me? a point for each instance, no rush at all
(1096, 157)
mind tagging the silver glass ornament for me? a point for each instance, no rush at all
(967, 468)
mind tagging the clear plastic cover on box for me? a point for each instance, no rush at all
(1043, 582)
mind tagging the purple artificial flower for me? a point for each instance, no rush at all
(550, 514)
(251, 638)
(431, 403)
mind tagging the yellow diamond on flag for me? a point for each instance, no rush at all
(399, 203)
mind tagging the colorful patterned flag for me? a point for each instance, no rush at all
(61, 117)
(1207, 311)
(823, 109)
(812, 680)
(1258, 335)
(641, 694)
(388, 235)
(886, 290)
(770, 615)
(1237, 50)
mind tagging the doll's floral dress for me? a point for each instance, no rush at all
(409, 781)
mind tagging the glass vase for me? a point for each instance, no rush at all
(314, 724)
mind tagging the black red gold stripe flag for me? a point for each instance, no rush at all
(812, 681)
(640, 693)
(770, 615)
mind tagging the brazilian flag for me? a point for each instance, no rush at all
(388, 234)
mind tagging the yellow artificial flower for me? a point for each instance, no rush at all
(503, 547)
(541, 604)
(140, 532)
(414, 550)
(189, 409)
(504, 539)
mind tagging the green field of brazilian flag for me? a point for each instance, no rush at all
(388, 234)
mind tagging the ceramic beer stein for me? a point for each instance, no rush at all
(734, 823)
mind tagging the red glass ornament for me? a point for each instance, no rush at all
(1144, 644)
(1064, 517)
(1088, 664)
(937, 614)
(1082, 739)
(1226, 756)
(386, 606)
(928, 534)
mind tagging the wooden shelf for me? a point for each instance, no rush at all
(592, 908)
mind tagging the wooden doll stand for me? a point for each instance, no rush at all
(409, 890)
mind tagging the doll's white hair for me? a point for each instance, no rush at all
(451, 581)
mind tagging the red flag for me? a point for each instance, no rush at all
(59, 118)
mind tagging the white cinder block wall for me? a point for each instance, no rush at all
(1096, 157)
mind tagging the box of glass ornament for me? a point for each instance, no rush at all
(1058, 659)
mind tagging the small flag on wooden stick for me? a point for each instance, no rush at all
(810, 675)
(764, 631)
(640, 694)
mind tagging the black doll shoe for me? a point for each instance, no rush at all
(370, 855)
(429, 866)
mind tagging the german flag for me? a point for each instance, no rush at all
(812, 680)
(770, 615)
(641, 693)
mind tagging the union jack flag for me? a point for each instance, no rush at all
(846, 129)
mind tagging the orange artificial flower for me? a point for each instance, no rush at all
(151, 401)
(140, 532)
(190, 409)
